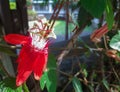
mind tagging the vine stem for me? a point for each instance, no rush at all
(105, 42)
(82, 80)
(115, 73)
(70, 44)
(56, 15)
(63, 90)
(56, 11)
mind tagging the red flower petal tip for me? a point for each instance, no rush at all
(16, 39)
(37, 77)
(18, 83)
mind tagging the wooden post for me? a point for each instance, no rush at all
(14, 21)
(5, 16)
(67, 20)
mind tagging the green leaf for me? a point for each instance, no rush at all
(115, 42)
(109, 14)
(7, 51)
(51, 83)
(118, 88)
(91, 88)
(85, 72)
(25, 88)
(106, 84)
(2, 73)
(83, 16)
(8, 85)
(77, 85)
(94, 7)
(51, 62)
(43, 80)
(49, 78)
(9, 82)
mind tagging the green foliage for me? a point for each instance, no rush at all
(31, 13)
(91, 88)
(106, 84)
(60, 27)
(85, 72)
(83, 16)
(43, 80)
(2, 73)
(94, 7)
(77, 84)
(8, 85)
(29, 3)
(25, 88)
(115, 42)
(51, 83)
(7, 51)
(49, 78)
(109, 14)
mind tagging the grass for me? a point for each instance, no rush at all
(60, 27)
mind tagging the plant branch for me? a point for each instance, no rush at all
(70, 80)
(115, 72)
(55, 14)
(70, 44)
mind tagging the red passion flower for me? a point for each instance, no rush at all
(34, 53)
(97, 34)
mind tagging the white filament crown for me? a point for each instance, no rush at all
(38, 39)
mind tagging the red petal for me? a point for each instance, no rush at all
(21, 77)
(25, 63)
(16, 39)
(30, 60)
(40, 64)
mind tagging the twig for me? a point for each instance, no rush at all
(102, 66)
(59, 8)
(63, 90)
(52, 20)
(105, 42)
(82, 80)
(66, 74)
(55, 9)
(70, 44)
(115, 73)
